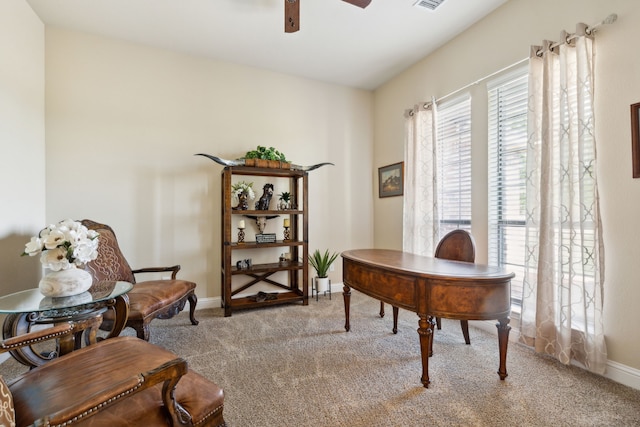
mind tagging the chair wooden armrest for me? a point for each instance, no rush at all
(168, 373)
(121, 378)
(34, 337)
(174, 269)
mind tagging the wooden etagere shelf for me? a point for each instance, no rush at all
(295, 288)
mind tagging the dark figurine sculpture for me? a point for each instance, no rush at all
(263, 203)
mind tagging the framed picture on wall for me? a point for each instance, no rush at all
(635, 139)
(391, 180)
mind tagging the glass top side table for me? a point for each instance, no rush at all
(27, 308)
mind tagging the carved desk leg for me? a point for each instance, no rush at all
(346, 294)
(503, 342)
(395, 319)
(433, 322)
(425, 331)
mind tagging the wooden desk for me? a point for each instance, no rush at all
(431, 287)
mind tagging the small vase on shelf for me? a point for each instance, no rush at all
(243, 202)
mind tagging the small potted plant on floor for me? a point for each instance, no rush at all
(321, 263)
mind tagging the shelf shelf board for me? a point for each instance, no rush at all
(283, 298)
(252, 170)
(270, 212)
(268, 268)
(254, 245)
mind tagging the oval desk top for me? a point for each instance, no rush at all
(405, 262)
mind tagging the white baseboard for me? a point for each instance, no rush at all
(617, 372)
(623, 374)
(204, 303)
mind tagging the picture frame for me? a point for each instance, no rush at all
(635, 139)
(391, 180)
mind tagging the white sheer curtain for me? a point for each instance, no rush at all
(563, 298)
(420, 208)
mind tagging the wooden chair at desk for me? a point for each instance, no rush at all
(122, 381)
(457, 245)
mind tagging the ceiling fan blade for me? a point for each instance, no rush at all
(359, 3)
(291, 16)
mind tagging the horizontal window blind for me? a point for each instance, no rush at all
(507, 169)
(454, 164)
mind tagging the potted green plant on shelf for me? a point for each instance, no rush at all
(266, 158)
(321, 263)
(285, 200)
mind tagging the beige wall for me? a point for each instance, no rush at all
(124, 122)
(22, 206)
(502, 39)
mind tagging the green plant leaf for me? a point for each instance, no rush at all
(265, 153)
(321, 262)
(285, 195)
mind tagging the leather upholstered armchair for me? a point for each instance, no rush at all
(148, 300)
(121, 381)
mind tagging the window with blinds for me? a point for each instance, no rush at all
(454, 164)
(507, 168)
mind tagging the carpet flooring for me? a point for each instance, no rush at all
(294, 365)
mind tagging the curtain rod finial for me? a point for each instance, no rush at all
(608, 20)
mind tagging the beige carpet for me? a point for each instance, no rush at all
(296, 366)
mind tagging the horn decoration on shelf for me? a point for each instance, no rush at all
(241, 162)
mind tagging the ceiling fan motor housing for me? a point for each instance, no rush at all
(292, 13)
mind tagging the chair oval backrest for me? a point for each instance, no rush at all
(111, 265)
(457, 245)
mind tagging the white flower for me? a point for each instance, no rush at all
(85, 251)
(64, 245)
(34, 247)
(55, 259)
(54, 239)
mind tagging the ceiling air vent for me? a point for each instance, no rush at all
(428, 4)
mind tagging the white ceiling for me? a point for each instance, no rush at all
(337, 42)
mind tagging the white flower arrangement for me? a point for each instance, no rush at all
(64, 245)
(243, 187)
